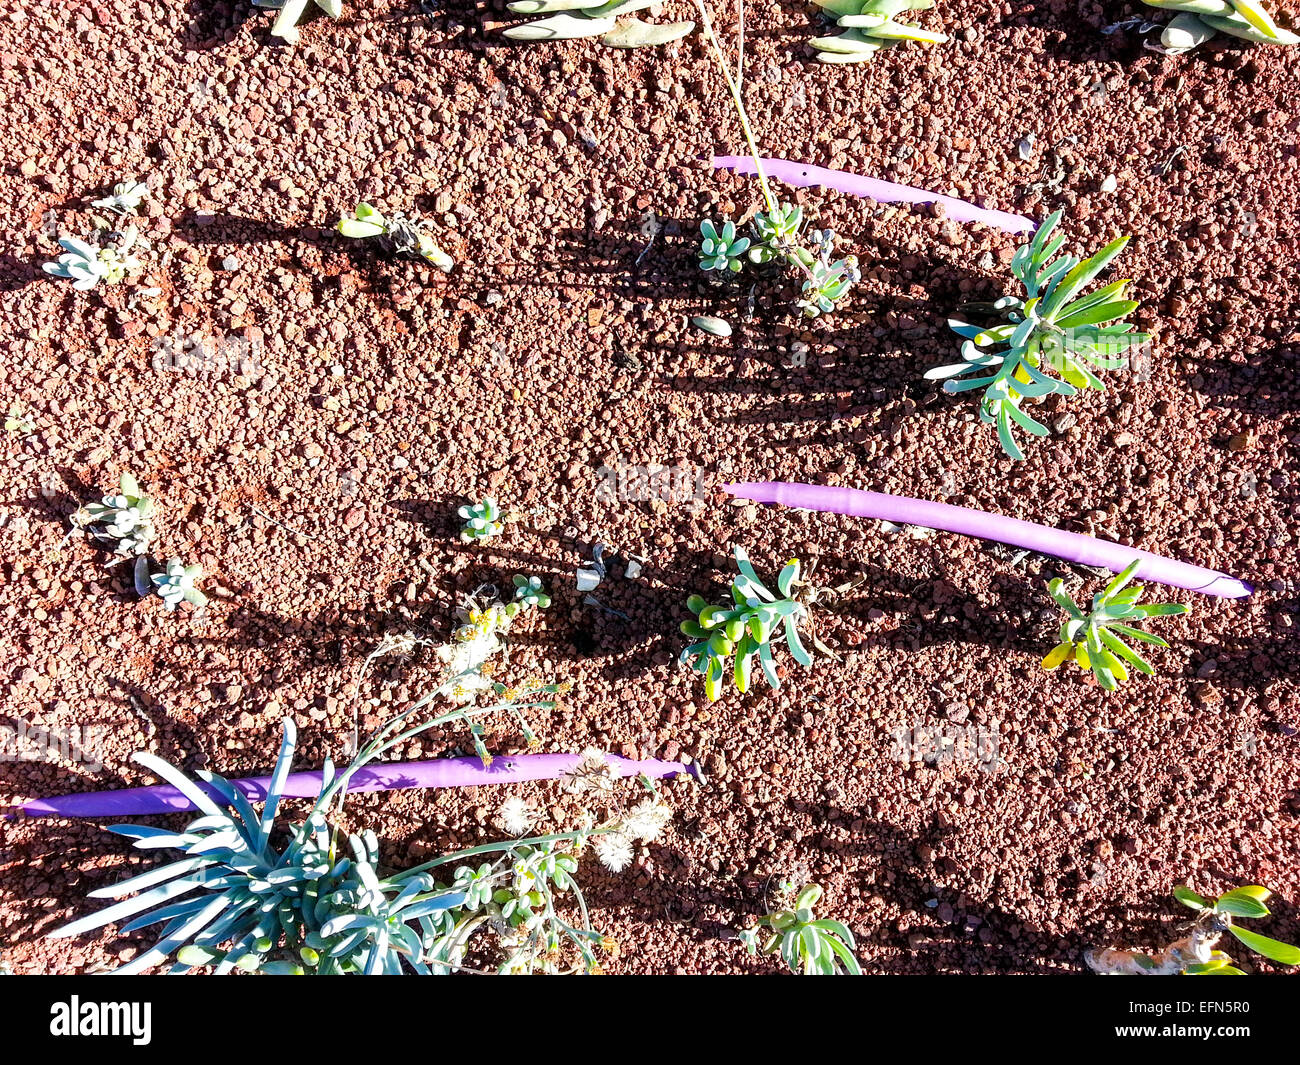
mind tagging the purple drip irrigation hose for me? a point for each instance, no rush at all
(382, 776)
(801, 175)
(1073, 547)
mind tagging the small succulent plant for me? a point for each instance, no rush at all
(291, 12)
(869, 27)
(482, 521)
(1054, 327)
(176, 584)
(87, 265)
(1093, 639)
(776, 238)
(571, 19)
(403, 235)
(125, 198)
(809, 946)
(745, 628)
(530, 593)
(1199, 20)
(122, 521)
(722, 250)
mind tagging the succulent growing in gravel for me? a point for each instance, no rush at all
(1199, 20)
(1093, 639)
(123, 521)
(125, 198)
(291, 13)
(722, 250)
(403, 235)
(745, 628)
(869, 26)
(1054, 327)
(810, 947)
(176, 584)
(530, 593)
(1195, 953)
(570, 19)
(482, 520)
(86, 265)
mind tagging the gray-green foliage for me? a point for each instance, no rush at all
(775, 236)
(1221, 915)
(86, 265)
(530, 593)
(404, 236)
(291, 13)
(1054, 327)
(482, 520)
(745, 629)
(123, 521)
(1197, 21)
(176, 584)
(870, 26)
(1092, 637)
(570, 19)
(809, 946)
(125, 199)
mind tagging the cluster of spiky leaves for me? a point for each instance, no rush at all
(744, 629)
(570, 19)
(1197, 21)
(1093, 638)
(86, 265)
(869, 26)
(240, 899)
(404, 235)
(775, 237)
(291, 13)
(810, 946)
(1054, 327)
(1222, 914)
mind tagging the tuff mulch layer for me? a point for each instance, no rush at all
(318, 492)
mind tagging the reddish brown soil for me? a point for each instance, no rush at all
(536, 164)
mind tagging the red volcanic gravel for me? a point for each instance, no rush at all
(318, 491)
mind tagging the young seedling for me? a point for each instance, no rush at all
(571, 19)
(530, 594)
(125, 198)
(1195, 954)
(745, 629)
(292, 12)
(403, 236)
(86, 265)
(1199, 20)
(1093, 639)
(482, 521)
(175, 584)
(869, 27)
(1054, 327)
(809, 946)
(123, 521)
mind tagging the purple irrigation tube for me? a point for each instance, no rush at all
(801, 175)
(1073, 547)
(381, 776)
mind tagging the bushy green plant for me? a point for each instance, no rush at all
(291, 13)
(1053, 328)
(86, 265)
(1093, 638)
(123, 521)
(1221, 914)
(745, 628)
(176, 584)
(809, 946)
(869, 26)
(482, 521)
(571, 19)
(125, 198)
(1199, 20)
(404, 236)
